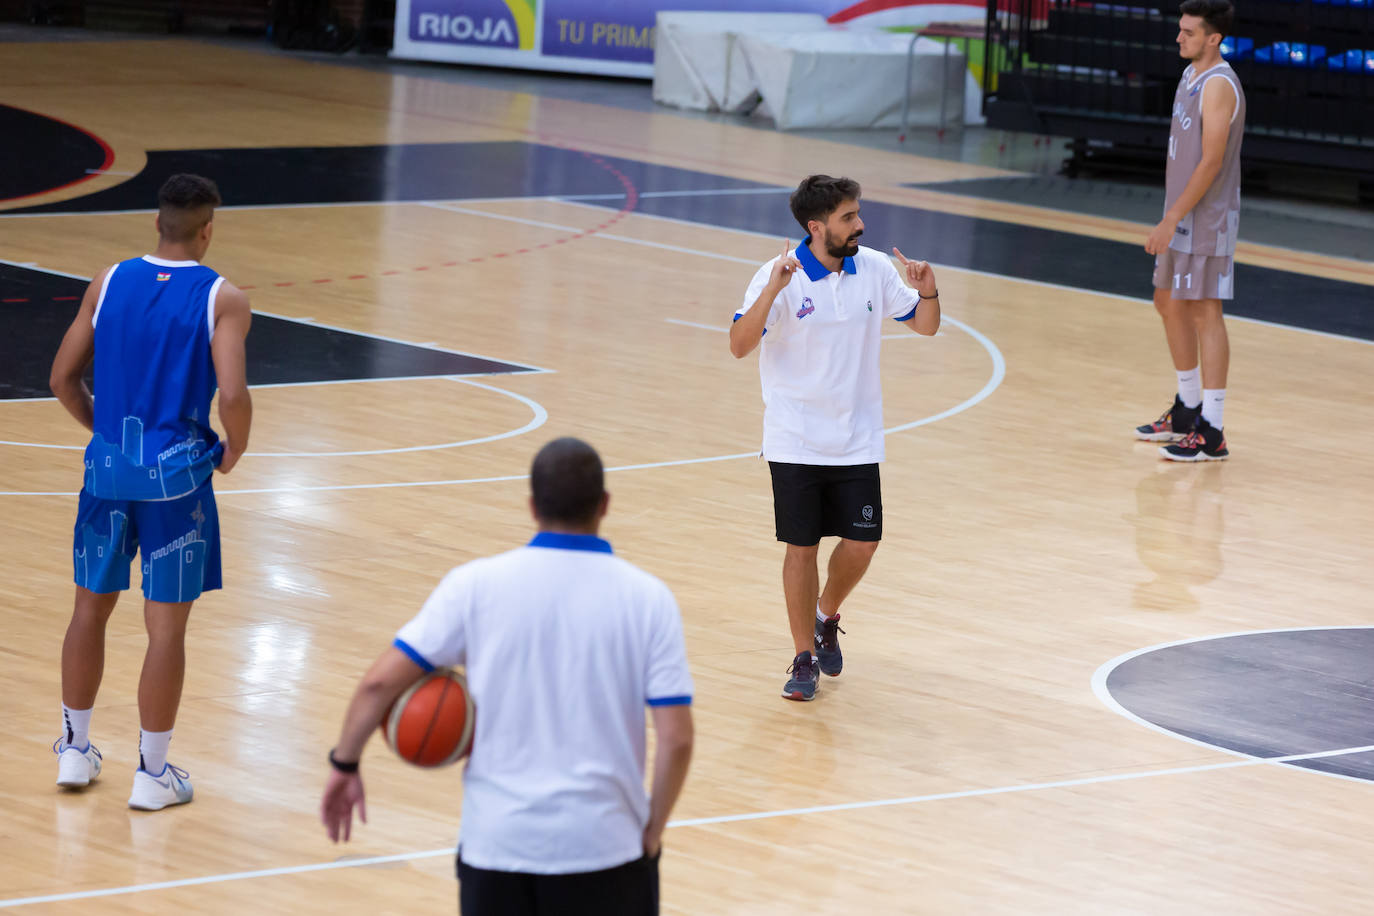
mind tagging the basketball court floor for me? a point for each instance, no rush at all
(1078, 679)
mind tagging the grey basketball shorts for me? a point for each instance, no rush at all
(1195, 276)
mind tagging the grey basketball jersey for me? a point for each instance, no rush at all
(1210, 229)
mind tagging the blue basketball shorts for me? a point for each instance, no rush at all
(178, 539)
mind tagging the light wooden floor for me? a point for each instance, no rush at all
(1028, 541)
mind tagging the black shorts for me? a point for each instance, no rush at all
(812, 501)
(626, 890)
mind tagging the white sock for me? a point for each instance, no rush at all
(819, 616)
(152, 751)
(1213, 400)
(76, 727)
(1190, 386)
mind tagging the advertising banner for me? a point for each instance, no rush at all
(613, 37)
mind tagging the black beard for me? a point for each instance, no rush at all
(847, 250)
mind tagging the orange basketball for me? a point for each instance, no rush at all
(430, 725)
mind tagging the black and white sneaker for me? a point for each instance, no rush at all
(1204, 443)
(1172, 425)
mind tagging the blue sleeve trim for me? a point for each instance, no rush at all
(671, 701)
(909, 315)
(410, 652)
(741, 315)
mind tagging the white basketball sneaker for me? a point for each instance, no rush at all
(153, 793)
(76, 768)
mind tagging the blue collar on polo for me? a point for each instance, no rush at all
(815, 270)
(560, 541)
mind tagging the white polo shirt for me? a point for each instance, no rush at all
(564, 645)
(818, 361)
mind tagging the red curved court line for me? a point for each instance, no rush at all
(109, 155)
(868, 7)
(631, 201)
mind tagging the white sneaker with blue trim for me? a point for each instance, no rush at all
(76, 768)
(153, 793)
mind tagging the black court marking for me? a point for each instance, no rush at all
(447, 171)
(406, 172)
(44, 154)
(1267, 695)
(1145, 204)
(1062, 258)
(279, 351)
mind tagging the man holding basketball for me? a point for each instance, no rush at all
(564, 644)
(163, 331)
(818, 312)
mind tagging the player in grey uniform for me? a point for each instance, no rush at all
(1195, 244)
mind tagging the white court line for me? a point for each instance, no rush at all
(311, 322)
(29, 265)
(697, 324)
(699, 192)
(695, 822)
(1099, 685)
(578, 200)
(998, 374)
(1134, 300)
(328, 381)
(591, 233)
(540, 417)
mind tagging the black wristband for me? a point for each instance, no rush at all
(342, 766)
(936, 296)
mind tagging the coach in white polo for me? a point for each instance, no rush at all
(564, 644)
(818, 311)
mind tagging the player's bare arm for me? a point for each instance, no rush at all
(746, 333)
(232, 319)
(674, 732)
(920, 276)
(389, 676)
(74, 355)
(1218, 105)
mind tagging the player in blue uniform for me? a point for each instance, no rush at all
(163, 332)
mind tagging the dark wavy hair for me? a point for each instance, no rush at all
(818, 196)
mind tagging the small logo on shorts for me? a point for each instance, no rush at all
(870, 305)
(807, 307)
(868, 513)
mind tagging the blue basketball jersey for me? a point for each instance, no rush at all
(154, 379)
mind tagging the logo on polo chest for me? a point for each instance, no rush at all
(807, 307)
